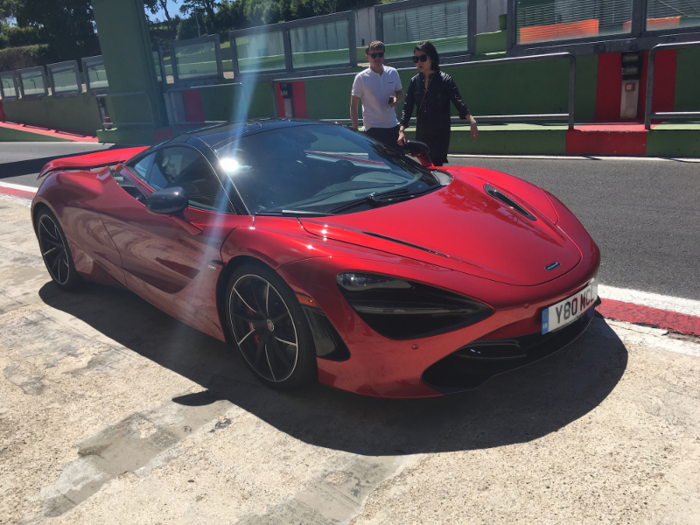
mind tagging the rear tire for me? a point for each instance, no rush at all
(55, 251)
(270, 329)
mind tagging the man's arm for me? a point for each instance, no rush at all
(354, 101)
(398, 97)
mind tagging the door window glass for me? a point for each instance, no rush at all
(188, 169)
(141, 167)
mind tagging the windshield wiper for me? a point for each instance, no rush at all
(285, 213)
(388, 197)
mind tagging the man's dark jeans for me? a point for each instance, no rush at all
(388, 136)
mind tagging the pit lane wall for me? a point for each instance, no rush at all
(77, 114)
(488, 89)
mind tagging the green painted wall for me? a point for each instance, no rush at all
(687, 97)
(488, 89)
(232, 101)
(78, 113)
(133, 109)
(491, 42)
(530, 87)
(512, 139)
(262, 102)
(586, 87)
(674, 140)
(328, 98)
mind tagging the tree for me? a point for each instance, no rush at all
(155, 5)
(67, 25)
(208, 6)
(261, 12)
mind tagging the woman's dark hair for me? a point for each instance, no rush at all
(430, 50)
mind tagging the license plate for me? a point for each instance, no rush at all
(570, 309)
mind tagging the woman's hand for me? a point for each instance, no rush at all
(402, 138)
(474, 130)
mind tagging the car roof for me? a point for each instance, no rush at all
(225, 133)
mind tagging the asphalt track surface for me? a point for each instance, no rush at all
(643, 213)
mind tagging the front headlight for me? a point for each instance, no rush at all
(400, 309)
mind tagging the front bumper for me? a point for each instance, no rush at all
(474, 364)
(384, 367)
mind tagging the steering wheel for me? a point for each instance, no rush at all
(344, 168)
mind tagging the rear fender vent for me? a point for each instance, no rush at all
(499, 195)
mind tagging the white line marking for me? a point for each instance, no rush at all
(655, 338)
(571, 157)
(21, 201)
(526, 157)
(18, 187)
(652, 300)
(62, 144)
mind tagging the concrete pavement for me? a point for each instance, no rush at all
(112, 412)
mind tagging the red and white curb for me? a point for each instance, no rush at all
(660, 311)
(673, 314)
(17, 190)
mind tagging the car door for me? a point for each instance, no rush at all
(173, 261)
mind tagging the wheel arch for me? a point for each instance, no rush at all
(38, 207)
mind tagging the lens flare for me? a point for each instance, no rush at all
(229, 165)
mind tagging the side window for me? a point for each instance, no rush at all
(140, 169)
(188, 169)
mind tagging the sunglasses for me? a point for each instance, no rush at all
(421, 58)
(376, 55)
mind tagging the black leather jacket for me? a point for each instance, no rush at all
(433, 114)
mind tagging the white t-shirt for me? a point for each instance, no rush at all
(374, 90)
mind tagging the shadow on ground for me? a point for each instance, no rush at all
(516, 407)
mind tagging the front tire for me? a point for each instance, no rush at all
(269, 328)
(55, 251)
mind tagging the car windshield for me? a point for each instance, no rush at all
(319, 169)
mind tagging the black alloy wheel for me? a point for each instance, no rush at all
(270, 329)
(55, 251)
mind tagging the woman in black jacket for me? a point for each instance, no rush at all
(431, 90)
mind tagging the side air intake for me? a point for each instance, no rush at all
(499, 195)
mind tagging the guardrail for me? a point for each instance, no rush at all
(648, 114)
(569, 116)
(103, 115)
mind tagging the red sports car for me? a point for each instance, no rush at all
(323, 255)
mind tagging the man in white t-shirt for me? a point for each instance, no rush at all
(379, 87)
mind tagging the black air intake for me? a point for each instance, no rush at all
(499, 195)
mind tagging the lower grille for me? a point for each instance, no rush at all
(474, 364)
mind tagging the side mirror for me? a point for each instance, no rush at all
(419, 150)
(168, 201)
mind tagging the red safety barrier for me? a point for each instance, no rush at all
(562, 31)
(655, 23)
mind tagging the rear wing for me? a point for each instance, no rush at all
(91, 160)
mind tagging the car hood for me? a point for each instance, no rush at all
(464, 228)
